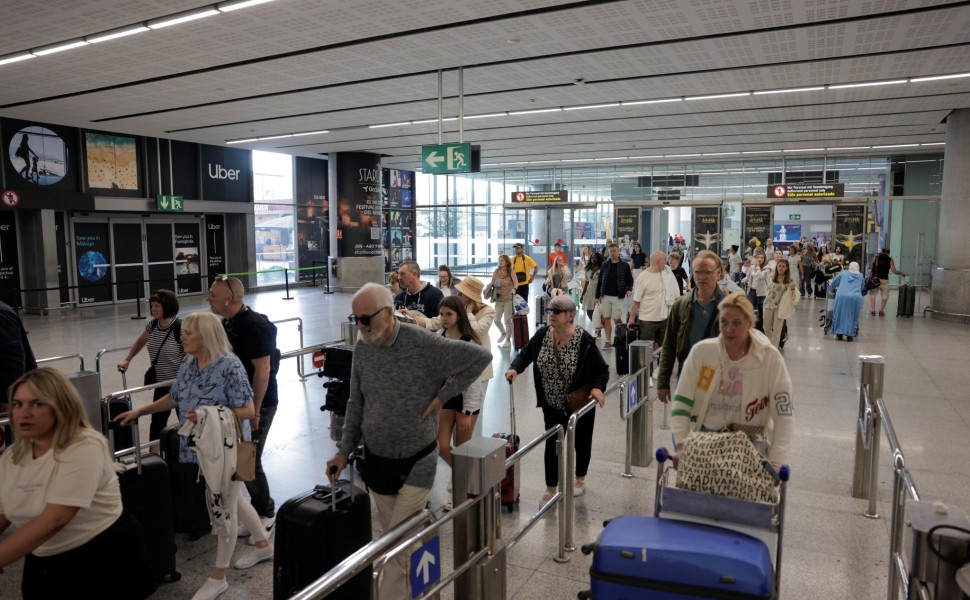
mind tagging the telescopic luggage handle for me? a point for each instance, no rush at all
(512, 411)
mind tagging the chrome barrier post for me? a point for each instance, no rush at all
(870, 390)
(478, 466)
(561, 453)
(640, 424)
(665, 424)
(566, 481)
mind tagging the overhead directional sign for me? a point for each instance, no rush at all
(446, 158)
(425, 566)
(170, 203)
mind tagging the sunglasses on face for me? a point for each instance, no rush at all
(555, 311)
(365, 321)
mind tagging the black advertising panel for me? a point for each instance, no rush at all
(41, 198)
(554, 196)
(398, 218)
(112, 164)
(215, 245)
(807, 190)
(312, 213)
(707, 229)
(757, 225)
(627, 227)
(153, 156)
(227, 174)
(92, 252)
(188, 258)
(359, 204)
(40, 156)
(60, 238)
(850, 224)
(9, 258)
(185, 169)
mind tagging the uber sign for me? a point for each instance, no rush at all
(226, 174)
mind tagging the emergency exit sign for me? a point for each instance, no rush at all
(794, 217)
(167, 203)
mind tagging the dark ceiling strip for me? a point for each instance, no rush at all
(497, 18)
(505, 91)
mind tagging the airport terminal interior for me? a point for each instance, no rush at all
(308, 147)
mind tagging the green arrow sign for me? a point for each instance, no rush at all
(794, 217)
(446, 158)
(169, 203)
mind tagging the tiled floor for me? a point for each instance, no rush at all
(831, 550)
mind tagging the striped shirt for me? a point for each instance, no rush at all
(171, 355)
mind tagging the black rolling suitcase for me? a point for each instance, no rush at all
(122, 435)
(542, 303)
(520, 331)
(146, 495)
(190, 510)
(315, 531)
(622, 336)
(906, 302)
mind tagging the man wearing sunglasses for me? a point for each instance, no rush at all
(692, 318)
(398, 378)
(253, 339)
(419, 296)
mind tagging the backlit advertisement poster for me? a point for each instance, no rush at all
(40, 156)
(849, 232)
(226, 173)
(91, 251)
(398, 220)
(215, 245)
(707, 229)
(188, 258)
(757, 225)
(312, 215)
(359, 205)
(111, 164)
(9, 258)
(627, 229)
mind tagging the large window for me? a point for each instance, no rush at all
(274, 208)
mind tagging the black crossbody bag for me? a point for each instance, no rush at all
(386, 476)
(150, 375)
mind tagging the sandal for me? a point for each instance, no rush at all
(882, 314)
(872, 313)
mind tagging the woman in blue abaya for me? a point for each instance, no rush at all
(848, 302)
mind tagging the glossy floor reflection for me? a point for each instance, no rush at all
(831, 550)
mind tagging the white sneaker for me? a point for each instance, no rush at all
(269, 523)
(212, 588)
(446, 505)
(449, 486)
(254, 557)
(507, 344)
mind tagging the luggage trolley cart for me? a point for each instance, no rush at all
(694, 546)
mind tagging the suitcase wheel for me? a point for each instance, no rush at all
(173, 577)
(585, 595)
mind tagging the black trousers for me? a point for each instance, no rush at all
(584, 443)
(112, 566)
(258, 488)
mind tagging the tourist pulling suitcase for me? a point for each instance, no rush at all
(191, 511)
(317, 530)
(511, 481)
(906, 301)
(146, 496)
(542, 303)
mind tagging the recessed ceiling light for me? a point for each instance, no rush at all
(939, 77)
(843, 86)
(230, 6)
(718, 96)
(182, 18)
(512, 41)
(790, 90)
(6, 60)
(59, 47)
(118, 33)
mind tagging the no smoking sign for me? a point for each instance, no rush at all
(10, 198)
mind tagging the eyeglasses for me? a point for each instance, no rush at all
(365, 321)
(556, 311)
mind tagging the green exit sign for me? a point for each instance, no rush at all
(446, 158)
(169, 203)
(794, 217)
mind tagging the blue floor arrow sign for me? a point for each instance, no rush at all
(425, 566)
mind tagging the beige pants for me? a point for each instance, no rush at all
(773, 325)
(392, 510)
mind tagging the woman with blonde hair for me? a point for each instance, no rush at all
(212, 376)
(557, 278)
(59, 488)
(503, 286)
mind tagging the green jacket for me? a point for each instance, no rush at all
(677, 335)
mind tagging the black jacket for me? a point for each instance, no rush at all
(16, 357)
(591, 366)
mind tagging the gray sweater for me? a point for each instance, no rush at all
(391, 385)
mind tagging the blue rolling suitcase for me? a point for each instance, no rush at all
(666, 559)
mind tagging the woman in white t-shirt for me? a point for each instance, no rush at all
(59, 488)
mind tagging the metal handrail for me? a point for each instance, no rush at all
(865, 422)
(356, 562)
(136, 390)
(65, 357)
(567, 478)
(299, 364)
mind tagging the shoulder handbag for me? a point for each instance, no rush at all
(873, 281)
(245, 454)
(520, 275)
(577, 398)
(386, 476)
(150, 375)
(725, 464)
